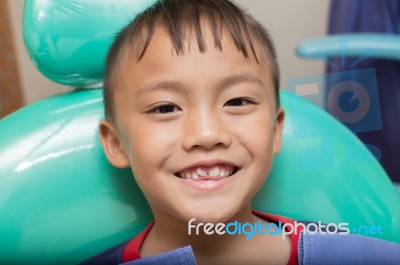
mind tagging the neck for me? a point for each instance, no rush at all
(172, 233)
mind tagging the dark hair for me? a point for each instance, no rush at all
(182, 16)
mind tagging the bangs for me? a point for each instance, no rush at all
(182, 21)
(187, 22)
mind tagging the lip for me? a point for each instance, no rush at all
(207, 185)
(209, 163)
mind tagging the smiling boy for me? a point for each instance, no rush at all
(192, 106)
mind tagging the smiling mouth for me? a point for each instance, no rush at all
(215, 172)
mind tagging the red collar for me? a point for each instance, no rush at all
(132, 249)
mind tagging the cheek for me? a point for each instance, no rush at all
(256, 136)
(256, 133)
(150, 144)
(149, 148)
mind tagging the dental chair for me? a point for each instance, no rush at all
(62, 202)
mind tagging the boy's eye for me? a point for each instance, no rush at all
(165, 108)
(238, 102)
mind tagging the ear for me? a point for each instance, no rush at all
(112, 145)
(278, 129)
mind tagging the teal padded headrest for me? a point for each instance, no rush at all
(68, 39)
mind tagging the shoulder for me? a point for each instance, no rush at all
(319, 243)
(337, 248)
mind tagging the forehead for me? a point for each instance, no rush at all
(162, 57)
(195, 35)
(163, 44)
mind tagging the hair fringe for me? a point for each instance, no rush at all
(181, 18)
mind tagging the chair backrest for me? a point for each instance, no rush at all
(61, 201)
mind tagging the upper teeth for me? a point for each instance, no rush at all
(199, 172)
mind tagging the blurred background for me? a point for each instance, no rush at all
(289, 22)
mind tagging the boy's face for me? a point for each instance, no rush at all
(199, 130)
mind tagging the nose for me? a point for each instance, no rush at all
(205, 129)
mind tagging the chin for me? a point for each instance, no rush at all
(212, 216)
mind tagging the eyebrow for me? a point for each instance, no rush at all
(162, 85)
(176, 85)
(239, 78)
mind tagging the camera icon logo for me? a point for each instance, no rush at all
(349, 101)
(350, 96)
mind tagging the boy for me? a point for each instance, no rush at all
(192, 106)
